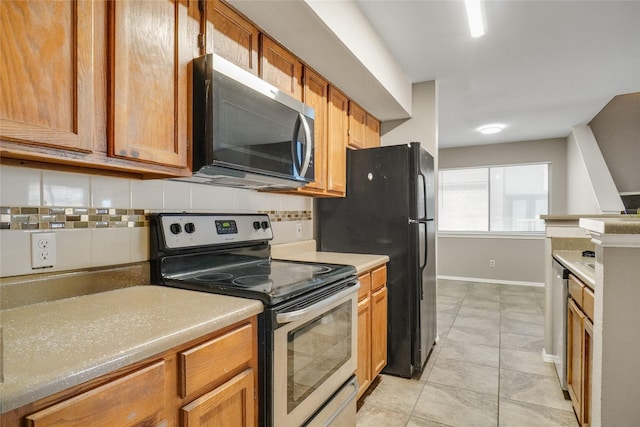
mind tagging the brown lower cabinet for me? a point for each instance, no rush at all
(207, 382)
(580, 348)
(372, 326)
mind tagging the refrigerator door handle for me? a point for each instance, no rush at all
(424, 195)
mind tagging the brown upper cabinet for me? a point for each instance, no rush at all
(316, 91)
(280, 67)
(149, 47)
(372, 132)
(97, 85)
(232, 36)
(357, 126)
(338, 128)
(47, 73)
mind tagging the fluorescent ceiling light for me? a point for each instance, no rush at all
(475, 16)
(490, 129)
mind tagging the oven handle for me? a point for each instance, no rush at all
(292, 316)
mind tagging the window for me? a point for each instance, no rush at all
(493, 199)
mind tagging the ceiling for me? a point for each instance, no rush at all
(541, 68)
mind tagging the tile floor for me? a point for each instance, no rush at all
(486, 370)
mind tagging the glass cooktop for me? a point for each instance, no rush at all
(269, 281)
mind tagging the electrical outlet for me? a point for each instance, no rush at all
(298, 230)
(43, 250)
(492, 263)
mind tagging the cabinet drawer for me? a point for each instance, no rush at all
(378, 277)
(365, 286)
(214, 359)
(588, 302)
(575, 290)
(133, 400)
(232, 403)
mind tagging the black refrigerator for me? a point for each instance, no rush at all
(389, 209)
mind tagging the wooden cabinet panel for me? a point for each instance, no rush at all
(280, 67)
(575, 289)
(587, 372)
(372, 326)
(316, 90)
(372, 134)
(338, 126)
(46, 78)
(378, 330)
(231, 36)
(580, 348)
(230, 405)
(357, 126)
(588, 301)
(365, 286)
(363, 373)
(134, 400)
(378, 278)
(148, 75)
(575, 322)
(213, 359)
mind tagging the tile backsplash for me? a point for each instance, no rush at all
(102, 220)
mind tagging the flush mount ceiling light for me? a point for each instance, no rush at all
(490, 129)
(475, 17)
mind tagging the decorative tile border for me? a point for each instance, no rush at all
(278, 216)
(55, 218)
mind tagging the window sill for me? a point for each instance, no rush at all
(494, 235)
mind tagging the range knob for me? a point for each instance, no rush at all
(189, 227)
(256, 225)
(265, 225)
(175, 228)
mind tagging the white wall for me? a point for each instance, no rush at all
(22, 187)
(422, 126)
(590, 186)
(580, 196)
(518, 259)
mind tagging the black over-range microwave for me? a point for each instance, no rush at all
(246, 132)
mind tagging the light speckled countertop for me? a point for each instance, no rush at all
(578, 265)
(306, 251)
(52, 346)
(623, 225)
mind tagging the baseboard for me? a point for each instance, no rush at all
(549, 358)
(499, 282)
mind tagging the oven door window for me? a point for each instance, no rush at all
(316, 350)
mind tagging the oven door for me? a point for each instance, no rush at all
(314, 354)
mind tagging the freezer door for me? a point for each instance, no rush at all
(426, 186)
(427, 311)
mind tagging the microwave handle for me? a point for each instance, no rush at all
(301, 120)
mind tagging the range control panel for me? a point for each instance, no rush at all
(189, 230)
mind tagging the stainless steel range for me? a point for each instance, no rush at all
(308, 330)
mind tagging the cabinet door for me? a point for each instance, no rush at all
(232, 36)
(134, 400)
(378, 330)
(357, 126)
(316, 90)
(233, 404)
(338, 125)
(281, 68)
(575, 325)
(149, 51)
(46, 78)
(363, 373)
(372, 135)
(587, 371)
